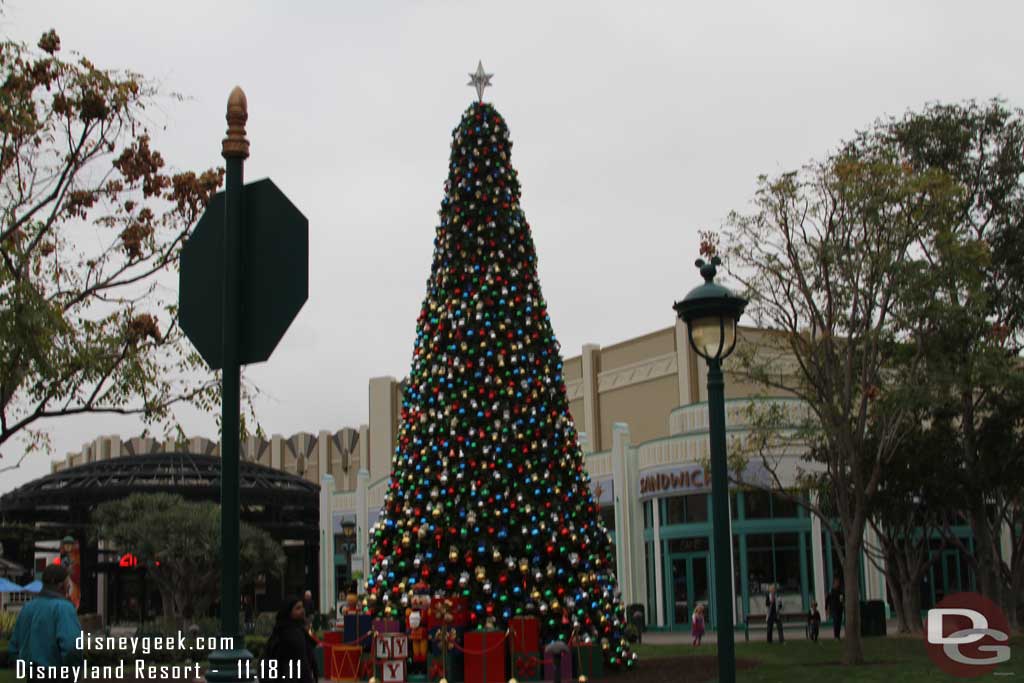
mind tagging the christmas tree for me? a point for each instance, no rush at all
(489, 498)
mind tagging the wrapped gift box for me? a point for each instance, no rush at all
(457, 607)
(455, 657)
(528, 666)
(484, 657)
(366, 666)
(435, 642)
(387, 625)
(588, 660)
(357, 628)
(319, 657)
(438, 667)
(566, 668)
(525, 634)
(341, 662)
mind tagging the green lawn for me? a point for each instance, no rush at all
(889, 660)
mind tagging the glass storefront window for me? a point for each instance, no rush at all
(759, 564)
(648, 514)
(674, 511)
(608, 517)
(697, 508)
(773, 558)
(783, 507)
(651, 589)
(757, 504)
(764, 505)
(691, 509)
(688, 545)
(787, 562)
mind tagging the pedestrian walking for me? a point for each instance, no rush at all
(834, 607)
(813, 621)
(774, 608)
(697, 625)
(47, 628)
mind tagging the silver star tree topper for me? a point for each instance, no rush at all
(480, 80)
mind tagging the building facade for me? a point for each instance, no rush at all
(641, 408)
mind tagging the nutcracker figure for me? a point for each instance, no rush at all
(416, 626)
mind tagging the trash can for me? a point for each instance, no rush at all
(872, 618)
(636, 614)
(636, 617)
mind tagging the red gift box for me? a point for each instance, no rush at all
(525, 634)
(457, 607)
(485, 657)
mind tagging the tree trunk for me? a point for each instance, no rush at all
(1013, 598)
(853, 650)
(896, 591)
(911, 604)
(989, 579)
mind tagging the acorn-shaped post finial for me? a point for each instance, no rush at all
(236, 144)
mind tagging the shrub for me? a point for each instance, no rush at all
(256, 645)
(7, 620)
(265, 624)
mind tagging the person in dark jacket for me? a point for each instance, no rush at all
(291, 645)
(834, 607)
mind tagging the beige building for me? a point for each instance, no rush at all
(641, 408)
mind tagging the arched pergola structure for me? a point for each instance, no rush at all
(60, 504)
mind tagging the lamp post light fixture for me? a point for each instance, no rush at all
(711, 313)
(348, 537)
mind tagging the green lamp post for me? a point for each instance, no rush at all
(711, 312)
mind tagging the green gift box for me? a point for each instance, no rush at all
(366, 666)
(588, 660)
(318, 655)
(439, 667)
(528, 666)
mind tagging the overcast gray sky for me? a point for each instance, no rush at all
(634, 125)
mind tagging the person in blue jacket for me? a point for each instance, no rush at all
(47, 628)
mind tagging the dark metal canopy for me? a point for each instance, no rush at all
(284, 504)
(710, 299)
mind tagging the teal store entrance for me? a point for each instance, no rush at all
(690, 586)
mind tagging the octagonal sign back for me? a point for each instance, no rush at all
(274, 271)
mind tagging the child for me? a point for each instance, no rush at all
(813, 621)
(697, 627)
